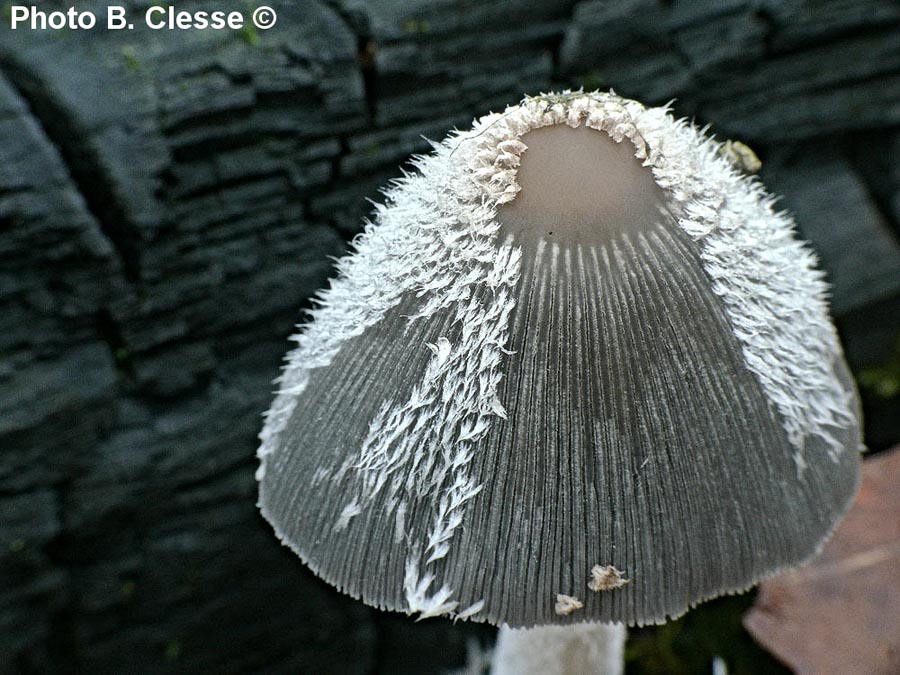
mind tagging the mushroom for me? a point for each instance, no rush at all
(577, 371)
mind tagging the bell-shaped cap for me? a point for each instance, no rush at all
(578, 369)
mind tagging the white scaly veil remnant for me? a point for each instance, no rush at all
(774, 295)
(436, 238)
(426, 242)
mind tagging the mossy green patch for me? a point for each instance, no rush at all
(122, 357)
(249, 34)
(592, 81)
(130, 56)
(688, 645)
(883, 381)
(127, 589)
(414, 26)
(172, 650)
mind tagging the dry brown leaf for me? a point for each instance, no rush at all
(841, 612)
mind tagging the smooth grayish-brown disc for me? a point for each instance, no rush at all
(635, 435)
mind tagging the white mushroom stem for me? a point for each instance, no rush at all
(581, 649)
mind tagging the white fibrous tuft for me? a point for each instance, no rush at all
(417, 589)
(470, 611)
(566, 604)
(606, 578)
(347, 514)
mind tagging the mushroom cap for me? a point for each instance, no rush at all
(578, 369)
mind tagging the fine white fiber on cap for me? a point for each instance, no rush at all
(576, 369)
